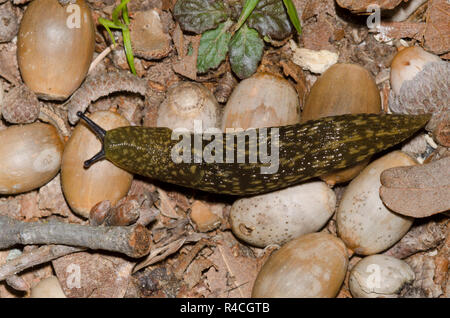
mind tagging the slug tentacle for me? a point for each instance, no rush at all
(101, 133)
(255, 161)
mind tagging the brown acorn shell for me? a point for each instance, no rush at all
(342, 89)
(84, 188)
(54, 52)
(30, 156)
(312, 265)
(263, 100)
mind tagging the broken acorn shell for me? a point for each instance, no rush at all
(313, 265)
(203, 217)
(280, 216)
(55, 47)
(84, 188)
(407, 63)
(30, 156)
(263, 100)
(185, 103)
(342, 89)
(379, 276)
(147, 36)
(420, 84)
(363, 222)
(48, 288)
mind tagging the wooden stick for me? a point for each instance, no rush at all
(133, 241)
(35, 257)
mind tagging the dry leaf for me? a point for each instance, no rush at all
(417, 191)
(187, 65)
(437, 32)
(93, 275)
(160, 253)
(233, 274)
(52, 199)
(195, 271)
(185, 260)
(166, 205)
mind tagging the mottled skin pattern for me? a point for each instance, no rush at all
(306, 151)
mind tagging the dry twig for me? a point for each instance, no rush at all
(35, 257)
(133, 241)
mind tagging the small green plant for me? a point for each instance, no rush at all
(116, 23)
(227, 27)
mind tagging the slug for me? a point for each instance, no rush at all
(299, 152)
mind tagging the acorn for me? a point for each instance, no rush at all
(280, 216)
(342, 89)
(420, 84)
(30, 156)
(84, 188)
(363, 222)
(313, 265)
(263, 100)
(55, 47)
(185, 103)
(379, 276)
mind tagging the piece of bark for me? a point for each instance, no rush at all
(133, 241)
(360, 6)
(183, 263)
(9, 69)
(437, 39)
(425, 269)
(225, 87)
(399, 30)
(147, 36)
(187, 65)
(420, 238)
(417, 191)
(100, 85)
(442, 133)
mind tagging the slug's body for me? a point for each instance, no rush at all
(305, 151)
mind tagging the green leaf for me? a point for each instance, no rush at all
(199, 15)
(117, 24)
(246, 51)
(270, 19)
(292, 12)
(249, 6)
(118, 10)
(213, 47)
(128, 49)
